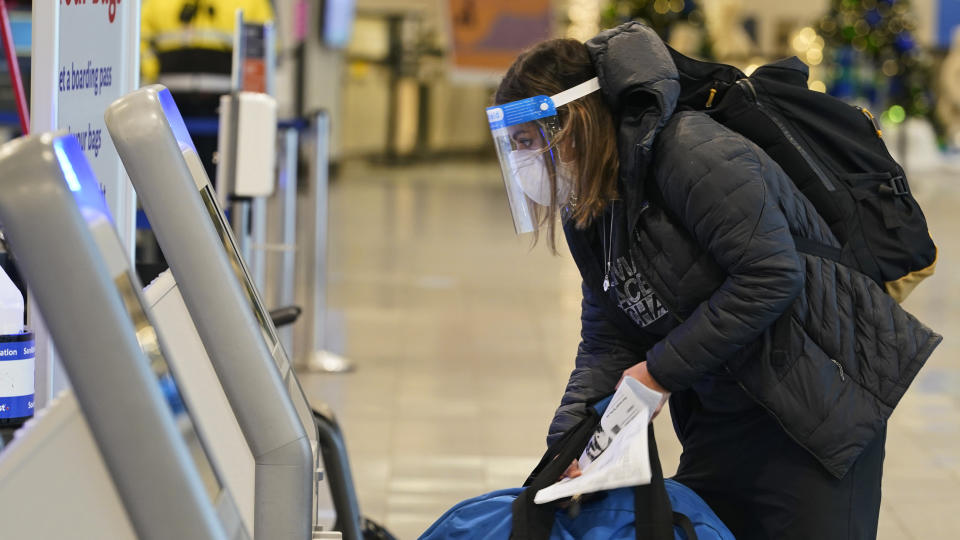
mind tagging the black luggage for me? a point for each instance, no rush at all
(835, 154)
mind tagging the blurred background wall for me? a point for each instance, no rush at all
(387, 70)
(397, 94)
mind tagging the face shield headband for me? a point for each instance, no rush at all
(534, 173)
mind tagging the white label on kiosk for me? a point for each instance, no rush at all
(96, 66)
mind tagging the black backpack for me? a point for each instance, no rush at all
(834, 153)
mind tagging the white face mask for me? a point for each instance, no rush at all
(530, 170)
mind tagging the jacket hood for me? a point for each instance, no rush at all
(639, 82)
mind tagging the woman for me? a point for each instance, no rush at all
(782, 367)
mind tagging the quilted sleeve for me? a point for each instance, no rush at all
(714, 185)
(602, 358)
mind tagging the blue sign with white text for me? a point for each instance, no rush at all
(16, 376)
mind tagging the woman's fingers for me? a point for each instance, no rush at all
(572, 471)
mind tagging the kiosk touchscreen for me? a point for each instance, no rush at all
(237, 334)
(135, 427)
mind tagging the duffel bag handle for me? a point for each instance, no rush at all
(570, 445)
(653, 514)
(654, 517)
(533, 521)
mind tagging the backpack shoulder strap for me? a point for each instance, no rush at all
(653, 515)
(788, 70)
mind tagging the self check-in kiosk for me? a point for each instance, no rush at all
(238, 337)
(119, 456)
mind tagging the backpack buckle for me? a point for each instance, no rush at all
(896, 186)
(899, 185)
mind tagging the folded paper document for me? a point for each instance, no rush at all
(617, 455)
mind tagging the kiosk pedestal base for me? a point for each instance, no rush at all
(328, 362)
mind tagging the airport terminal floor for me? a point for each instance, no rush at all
(464, 338)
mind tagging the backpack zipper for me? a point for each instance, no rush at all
(873, 120)
(817, 170)
(898, 172)
(713, 94)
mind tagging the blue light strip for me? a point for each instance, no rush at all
(68, 173)
(175, 120)
(79, 176)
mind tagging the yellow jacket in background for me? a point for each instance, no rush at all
(193, 28)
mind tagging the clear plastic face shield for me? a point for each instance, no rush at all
(535, 173)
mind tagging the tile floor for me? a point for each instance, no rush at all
(464, 338)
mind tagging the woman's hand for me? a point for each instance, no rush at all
(572, 471)
(642, 374)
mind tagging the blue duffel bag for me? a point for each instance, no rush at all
(662, 510)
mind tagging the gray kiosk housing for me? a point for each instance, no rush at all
(57, 224)
(239, 338)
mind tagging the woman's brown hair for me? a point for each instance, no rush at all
(587, 127)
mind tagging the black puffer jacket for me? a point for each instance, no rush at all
(819, 345)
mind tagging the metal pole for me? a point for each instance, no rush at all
(258, 208)
(322, 183)
(240, 221)
(270, 57)
(258, 242)
(239, 209)
(239, 46)
(313, 340)
(281, 234)
(288, 264)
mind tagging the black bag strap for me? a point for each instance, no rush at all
(570, 440)
(684, 523)
(653, 514)
(533, 521)
(654, 517)
(812, 247)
